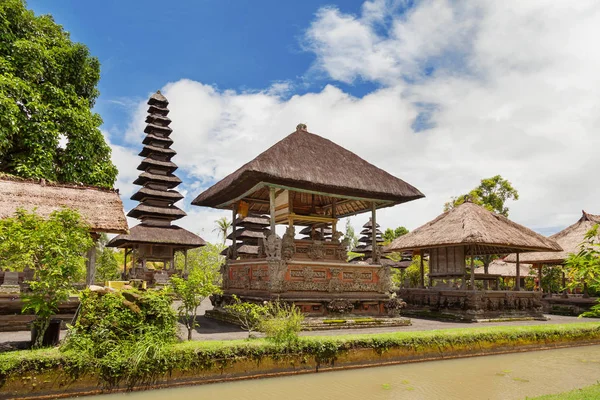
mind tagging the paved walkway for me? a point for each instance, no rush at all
(216, 330)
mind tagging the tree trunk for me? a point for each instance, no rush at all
(190, 333)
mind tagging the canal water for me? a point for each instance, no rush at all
(501, 377)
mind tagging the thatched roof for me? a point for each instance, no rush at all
(502, 268)
(160, 235)
(101, 209)
(332, 171)
(472, 225)
(569, 239)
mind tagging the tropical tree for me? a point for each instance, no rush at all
(223, 227)
(390, 234)
(47, 91)
(207, 257)
(54, 248)
(350, 235)
(492, 193)
(107, 266)
(191, 291)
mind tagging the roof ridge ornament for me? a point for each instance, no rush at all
(301, 128)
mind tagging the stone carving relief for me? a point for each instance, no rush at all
(273, 247)
(288, 247)
(340, 306)
(316, 250)
(385, 279)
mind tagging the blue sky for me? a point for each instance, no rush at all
(232, 44)
(438, 93)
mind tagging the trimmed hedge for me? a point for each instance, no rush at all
(322, 350)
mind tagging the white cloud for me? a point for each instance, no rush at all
(513, 87)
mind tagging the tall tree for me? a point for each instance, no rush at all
(47, 91)
(52, 248)
(350, 235)
(223, 227)
(492, 193)
(390, 234)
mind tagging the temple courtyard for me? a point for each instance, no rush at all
(211, 329)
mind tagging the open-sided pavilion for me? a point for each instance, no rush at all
(307, 180)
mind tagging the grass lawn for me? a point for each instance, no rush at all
(587, 393)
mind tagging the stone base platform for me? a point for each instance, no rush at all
(326, 323)
(324, 306)
(571, 305)
(472, 305)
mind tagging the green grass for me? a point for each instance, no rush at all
(586, 393)
(197, 355)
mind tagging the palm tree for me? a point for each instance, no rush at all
(223, 227)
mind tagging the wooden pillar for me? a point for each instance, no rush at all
(564, 282)
(234, 228)
(272, 208)
(422, 270)
(91, 265)
(518, 274)
(472, 271)
(185, 261)
(125, 263)
(334, 216)
(541, 289)
(585, 291)
(373, 230)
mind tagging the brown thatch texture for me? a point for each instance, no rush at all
(472, 225)
(502, 268)
(569, 239)
(332, 170)
(162, 235)
(101, 209)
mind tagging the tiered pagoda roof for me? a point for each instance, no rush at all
(249, 231)
(366, 240)
(326, 233)
(157, 197)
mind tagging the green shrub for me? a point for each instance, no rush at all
(282, 322)
(121, 334)
(248, 315)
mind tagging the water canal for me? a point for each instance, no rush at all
(501, 377)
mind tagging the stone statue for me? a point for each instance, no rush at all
(288, 246)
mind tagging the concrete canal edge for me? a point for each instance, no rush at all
(56, 383)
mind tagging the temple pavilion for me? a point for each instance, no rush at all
(156, 239)
(469, 232)
(305, 180)
(569, 239)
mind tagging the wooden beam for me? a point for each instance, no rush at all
(422, 271)
(374, 252)
(472, 271)
(234, 211)
(518, 274)
(272, 208)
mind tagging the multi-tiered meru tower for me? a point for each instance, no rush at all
(156, 239)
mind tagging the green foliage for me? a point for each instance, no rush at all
(191, 291)
(491, 193)
(282, 322)
(350, 236)
(586, 393)
(248, 315)
(121, 334)
(584, 267)
(53, 249)
(206, 257)
(390, 234)
(47, 90)
(411, 276)
(107, 266)
(223, 227)
(160, 361)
